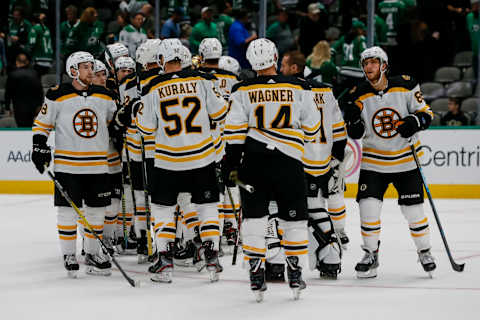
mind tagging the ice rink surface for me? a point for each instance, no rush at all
(34, 284)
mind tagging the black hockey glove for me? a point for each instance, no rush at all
(233, 158)
(413, 123)
(134, 105)
(353, 120)
(41, 153)
(123, 116)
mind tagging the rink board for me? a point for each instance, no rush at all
(451, 163)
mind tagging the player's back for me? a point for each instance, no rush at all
(275, 110)
(318, 152)
(178, 107)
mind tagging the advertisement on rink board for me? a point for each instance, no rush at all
(451, 161)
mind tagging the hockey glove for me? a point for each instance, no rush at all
(123, 117)
(337, 179)
(413, 123)
(353, 120)
(41, 153)
(134, 105)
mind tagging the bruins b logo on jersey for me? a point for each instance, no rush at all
(85, 123)
(384, 123)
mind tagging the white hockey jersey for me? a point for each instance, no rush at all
(177, 108)
(318, 152)
(224, 83)
(80, 120)
(384, 150)
(276, 110)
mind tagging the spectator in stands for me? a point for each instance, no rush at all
(24, 90)
(66, 30)
(114, 27)
(149, 21)
(454, 116)
(205, 28)
(18, 29)
(89, 33)
(320, 63)
(133, 34)
(280, 33)
(350, 46)
(458, 9)
(171, 27)
(40, 45)
(473, 25)
(3, 56)
(224, 21)
(239, 38)
(312, 28)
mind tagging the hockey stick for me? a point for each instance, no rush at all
(132, 282)
(457, 267)
(237, 216)
(127, 153)
(124, 205)
(147, 200)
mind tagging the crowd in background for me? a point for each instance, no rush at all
(419, 36)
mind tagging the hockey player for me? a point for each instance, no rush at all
(114, 171)
(327, 147)
(229, 64)
(270, 118)
(116, 51)
(177, 108)
(80, 113)
(386, 112)
(210, 51)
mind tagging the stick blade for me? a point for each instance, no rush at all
(458, 267)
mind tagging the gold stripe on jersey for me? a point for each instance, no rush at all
(310, 132)
(185, 154)
(287, 137)
(113, 159)
(102, 96)
(397, 89)
(44, 125)
(427, 110)
(220, 115)
(389, 158)
(316, 168)
(145, 130)
(236, 133)
(66, 97)
(225, 76)
(269, 86)
(80, 159)
(38, 129)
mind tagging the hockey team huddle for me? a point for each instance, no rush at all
(180, 150)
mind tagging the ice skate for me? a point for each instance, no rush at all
(257, 279)
(211, 260)
(274, 272)
(109, 243)
(71, 265)
(162, 269)
(229, 235)
(184, 255)
(428, 262)
(128, 248)
(367, 267)
(328, 261)
(295, 281)
(98, 265)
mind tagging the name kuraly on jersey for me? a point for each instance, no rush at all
(317, 155)
(384, 150)
(177, 109)
(80, 120)
(275, 110)
(224, 83)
